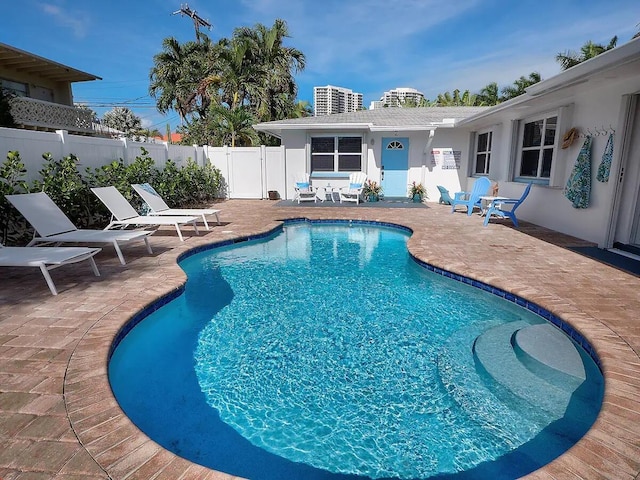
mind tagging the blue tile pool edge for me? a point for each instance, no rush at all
(542, 312)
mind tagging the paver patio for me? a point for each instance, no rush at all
(59, 419)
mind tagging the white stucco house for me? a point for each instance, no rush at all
(513, 143)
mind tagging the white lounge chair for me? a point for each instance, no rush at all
(159, 207)
(304, 192)
(52, 226)
(353, 192)
(47, 258)
(123, 214)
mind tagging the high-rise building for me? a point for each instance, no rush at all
(330, 99)
(398, 96)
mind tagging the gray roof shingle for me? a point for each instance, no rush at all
(402, 118)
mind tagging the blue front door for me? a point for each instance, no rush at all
(395, 166)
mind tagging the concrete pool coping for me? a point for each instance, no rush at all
(58, 417)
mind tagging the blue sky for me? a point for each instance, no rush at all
(369, 46)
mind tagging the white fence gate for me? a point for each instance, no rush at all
(250, 172)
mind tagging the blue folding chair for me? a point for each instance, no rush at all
(471, 199)
(496, 207)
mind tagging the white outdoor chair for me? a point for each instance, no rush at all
(47, 258)
(159, 207)
(124, 215)
(353, 192)
(52, 226)
(304, 192)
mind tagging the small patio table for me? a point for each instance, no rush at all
(486, 201)
(329, 191)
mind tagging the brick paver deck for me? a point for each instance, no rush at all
(59, 419)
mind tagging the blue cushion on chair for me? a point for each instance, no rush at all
(355, 186)
(302, 184)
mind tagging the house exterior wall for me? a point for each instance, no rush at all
(421, 167)
(39, 87)
(295, 159)
(598, 109)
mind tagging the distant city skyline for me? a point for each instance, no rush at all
(331, 99)
(397, 96)
(433, 46)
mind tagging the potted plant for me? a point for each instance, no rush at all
(417, 191)
(371, 191)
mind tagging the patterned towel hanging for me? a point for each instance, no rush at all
(578, 188)
(605, 164)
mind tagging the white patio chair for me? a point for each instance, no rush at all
(47, 258)
(304, 192)
(124, 215)
(353, 192)
(159, 207)
(52, 226)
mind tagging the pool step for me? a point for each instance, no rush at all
(495, 353)
(550, 354)
(468, 388)
(541, 366)
(510, 385)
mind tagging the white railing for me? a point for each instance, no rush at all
(30, 112)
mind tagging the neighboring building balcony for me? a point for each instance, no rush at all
(40, 115)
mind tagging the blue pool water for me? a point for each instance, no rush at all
(327, 352)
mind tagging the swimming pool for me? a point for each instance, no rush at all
(386, 371)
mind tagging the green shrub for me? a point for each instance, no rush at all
(204, 183)
(170, 186)
(64, 183)
(190, 185)
(13, 227)
(6, 119)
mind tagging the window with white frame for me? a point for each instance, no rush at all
(336, 154)
(483, 152)
(537, 147)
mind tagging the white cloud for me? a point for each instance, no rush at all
(78, 22)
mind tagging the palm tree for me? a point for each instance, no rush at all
(467, 99)
(253, 69)
(425, 102)
(444, 100)
(238, 75)
(408, 103)
(273, 90)
(519, 86)
(302, 109)
(164, 77)
(232, 125)
(175, 78)
(447, 100)
(589, 50)
(489, 95)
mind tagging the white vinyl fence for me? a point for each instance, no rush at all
(248, 172)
